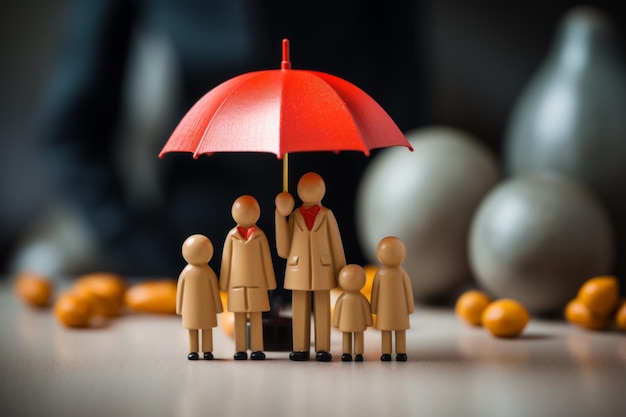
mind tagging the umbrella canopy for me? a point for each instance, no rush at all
(284, 110)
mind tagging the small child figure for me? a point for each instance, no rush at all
(197, 295)
(247, 274)
(392, 297)
(352, 312)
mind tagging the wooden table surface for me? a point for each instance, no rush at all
(137, 366)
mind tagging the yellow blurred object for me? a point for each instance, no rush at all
(33, 289)
(505, 318)
(600, 294)
(370, 273)
(227, 319)
(73, 310)
(470, 305)
(620, 315)
(157, 296)
(106, 291)
(577, 312)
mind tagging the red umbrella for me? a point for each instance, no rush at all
(282, 111)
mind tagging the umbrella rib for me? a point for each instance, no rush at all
(363, 148)
(244, 78)
(337, 91)
(338, 97)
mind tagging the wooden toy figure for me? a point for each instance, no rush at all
(392, 297)
(197, 295)
(247, 274)
(352, 312)
(311, 243)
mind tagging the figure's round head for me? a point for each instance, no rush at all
(391, 251)
(351, 278)
(311, 188)
(246, 211)
(197, 250)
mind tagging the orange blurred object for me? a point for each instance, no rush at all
(370, 273)
(227, 319)
(470, 305)
(579, 313)
(105, 289)
(33, 289)
(505, 318)
(73, 310)
(600, 294)
(157, 296)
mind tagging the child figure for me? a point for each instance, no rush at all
(197, 295)
(352, 312)
(392, 297)
(247, 274)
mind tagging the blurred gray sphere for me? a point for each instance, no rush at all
(427, 198)
(537, 238)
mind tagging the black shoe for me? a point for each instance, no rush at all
(401, 357)
(299, 356)
(346, 357)
(322, 356)
(208, 356)
(193, 356)
(257, 356)
(385, 357)
(358, 358)
(241, 356)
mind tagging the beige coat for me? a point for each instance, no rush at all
(352, 312)
(247, 272)
(314, 257)
(198, 298)
(392, 298)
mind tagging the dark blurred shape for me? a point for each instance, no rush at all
(140, 212)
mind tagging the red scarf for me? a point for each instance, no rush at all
(246, 233)
(309, 215)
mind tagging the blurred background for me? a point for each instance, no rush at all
(130, 69)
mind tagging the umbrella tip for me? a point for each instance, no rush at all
(285, 63)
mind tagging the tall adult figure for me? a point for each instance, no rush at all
(309, 239)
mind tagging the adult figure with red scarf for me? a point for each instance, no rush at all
(310, 241)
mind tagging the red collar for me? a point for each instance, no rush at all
(246, 232)
(309, 215)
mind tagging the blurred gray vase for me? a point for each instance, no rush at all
(571, 117)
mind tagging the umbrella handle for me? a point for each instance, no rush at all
(285, 171)
(285, 65)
